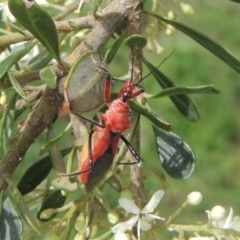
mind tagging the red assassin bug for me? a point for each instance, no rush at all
(103, 139)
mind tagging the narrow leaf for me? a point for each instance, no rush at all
(21, 206)
(36, 173)
(102, 199)
(40, 61)
(10, 222)
(113, 49)
(16, 28)
(49, 77)
(237, 1)
(51, 142)
(6, 124)
(150, 115)
(176, 156)
(71, 158)
(115, 183)
(95, 5)
(56, 156)
(53, 201)
(37, 21)
(183, 103)
(203, 40)
(206, 89)
(17, 86)
(14, 57)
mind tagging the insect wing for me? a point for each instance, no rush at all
(176, 156)
(100, 169)
(102, 160)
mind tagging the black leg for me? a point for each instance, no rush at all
(90, 150)
(89, 120)
(132, 150)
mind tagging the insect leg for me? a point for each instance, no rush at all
(132, 150)
(89, 120)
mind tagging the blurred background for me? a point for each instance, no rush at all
(215, 139)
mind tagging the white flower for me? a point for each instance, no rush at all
(224, 222)
(143, 223)
(121, 236)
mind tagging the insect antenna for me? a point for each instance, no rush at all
(137, 84)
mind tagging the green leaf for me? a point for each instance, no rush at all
(203, 40)
(49, 77)
(176, 156)
(56, 156)
(40, 61)
(206, 89)
(95, 5)
(184, 103)
(136, 41)
(150, 115)
(10, 222)
(51, 142)
(17, 86)
(115, 183)
(15, 28)
(14, 57)
(71, 158)
(101, 199)
(6, 124)
(36, 173)
(113, 49)
(53, 201)
(21, 206)
(237, 1)
(38, 22)
(85, 82)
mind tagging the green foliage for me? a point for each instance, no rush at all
(47, 188)
(38, 22)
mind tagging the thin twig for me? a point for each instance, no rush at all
(135, 61)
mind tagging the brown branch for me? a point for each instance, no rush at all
(75, 24)
(62, 26)
(31, 76)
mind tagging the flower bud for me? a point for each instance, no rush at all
(3, 99)
(160, 49)
(172, 15)
(149, 46)
(150, 29)
(113, 217)
(81, 222)
(217, 213)
(194, 198)
(170, 30)
(187, 9)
